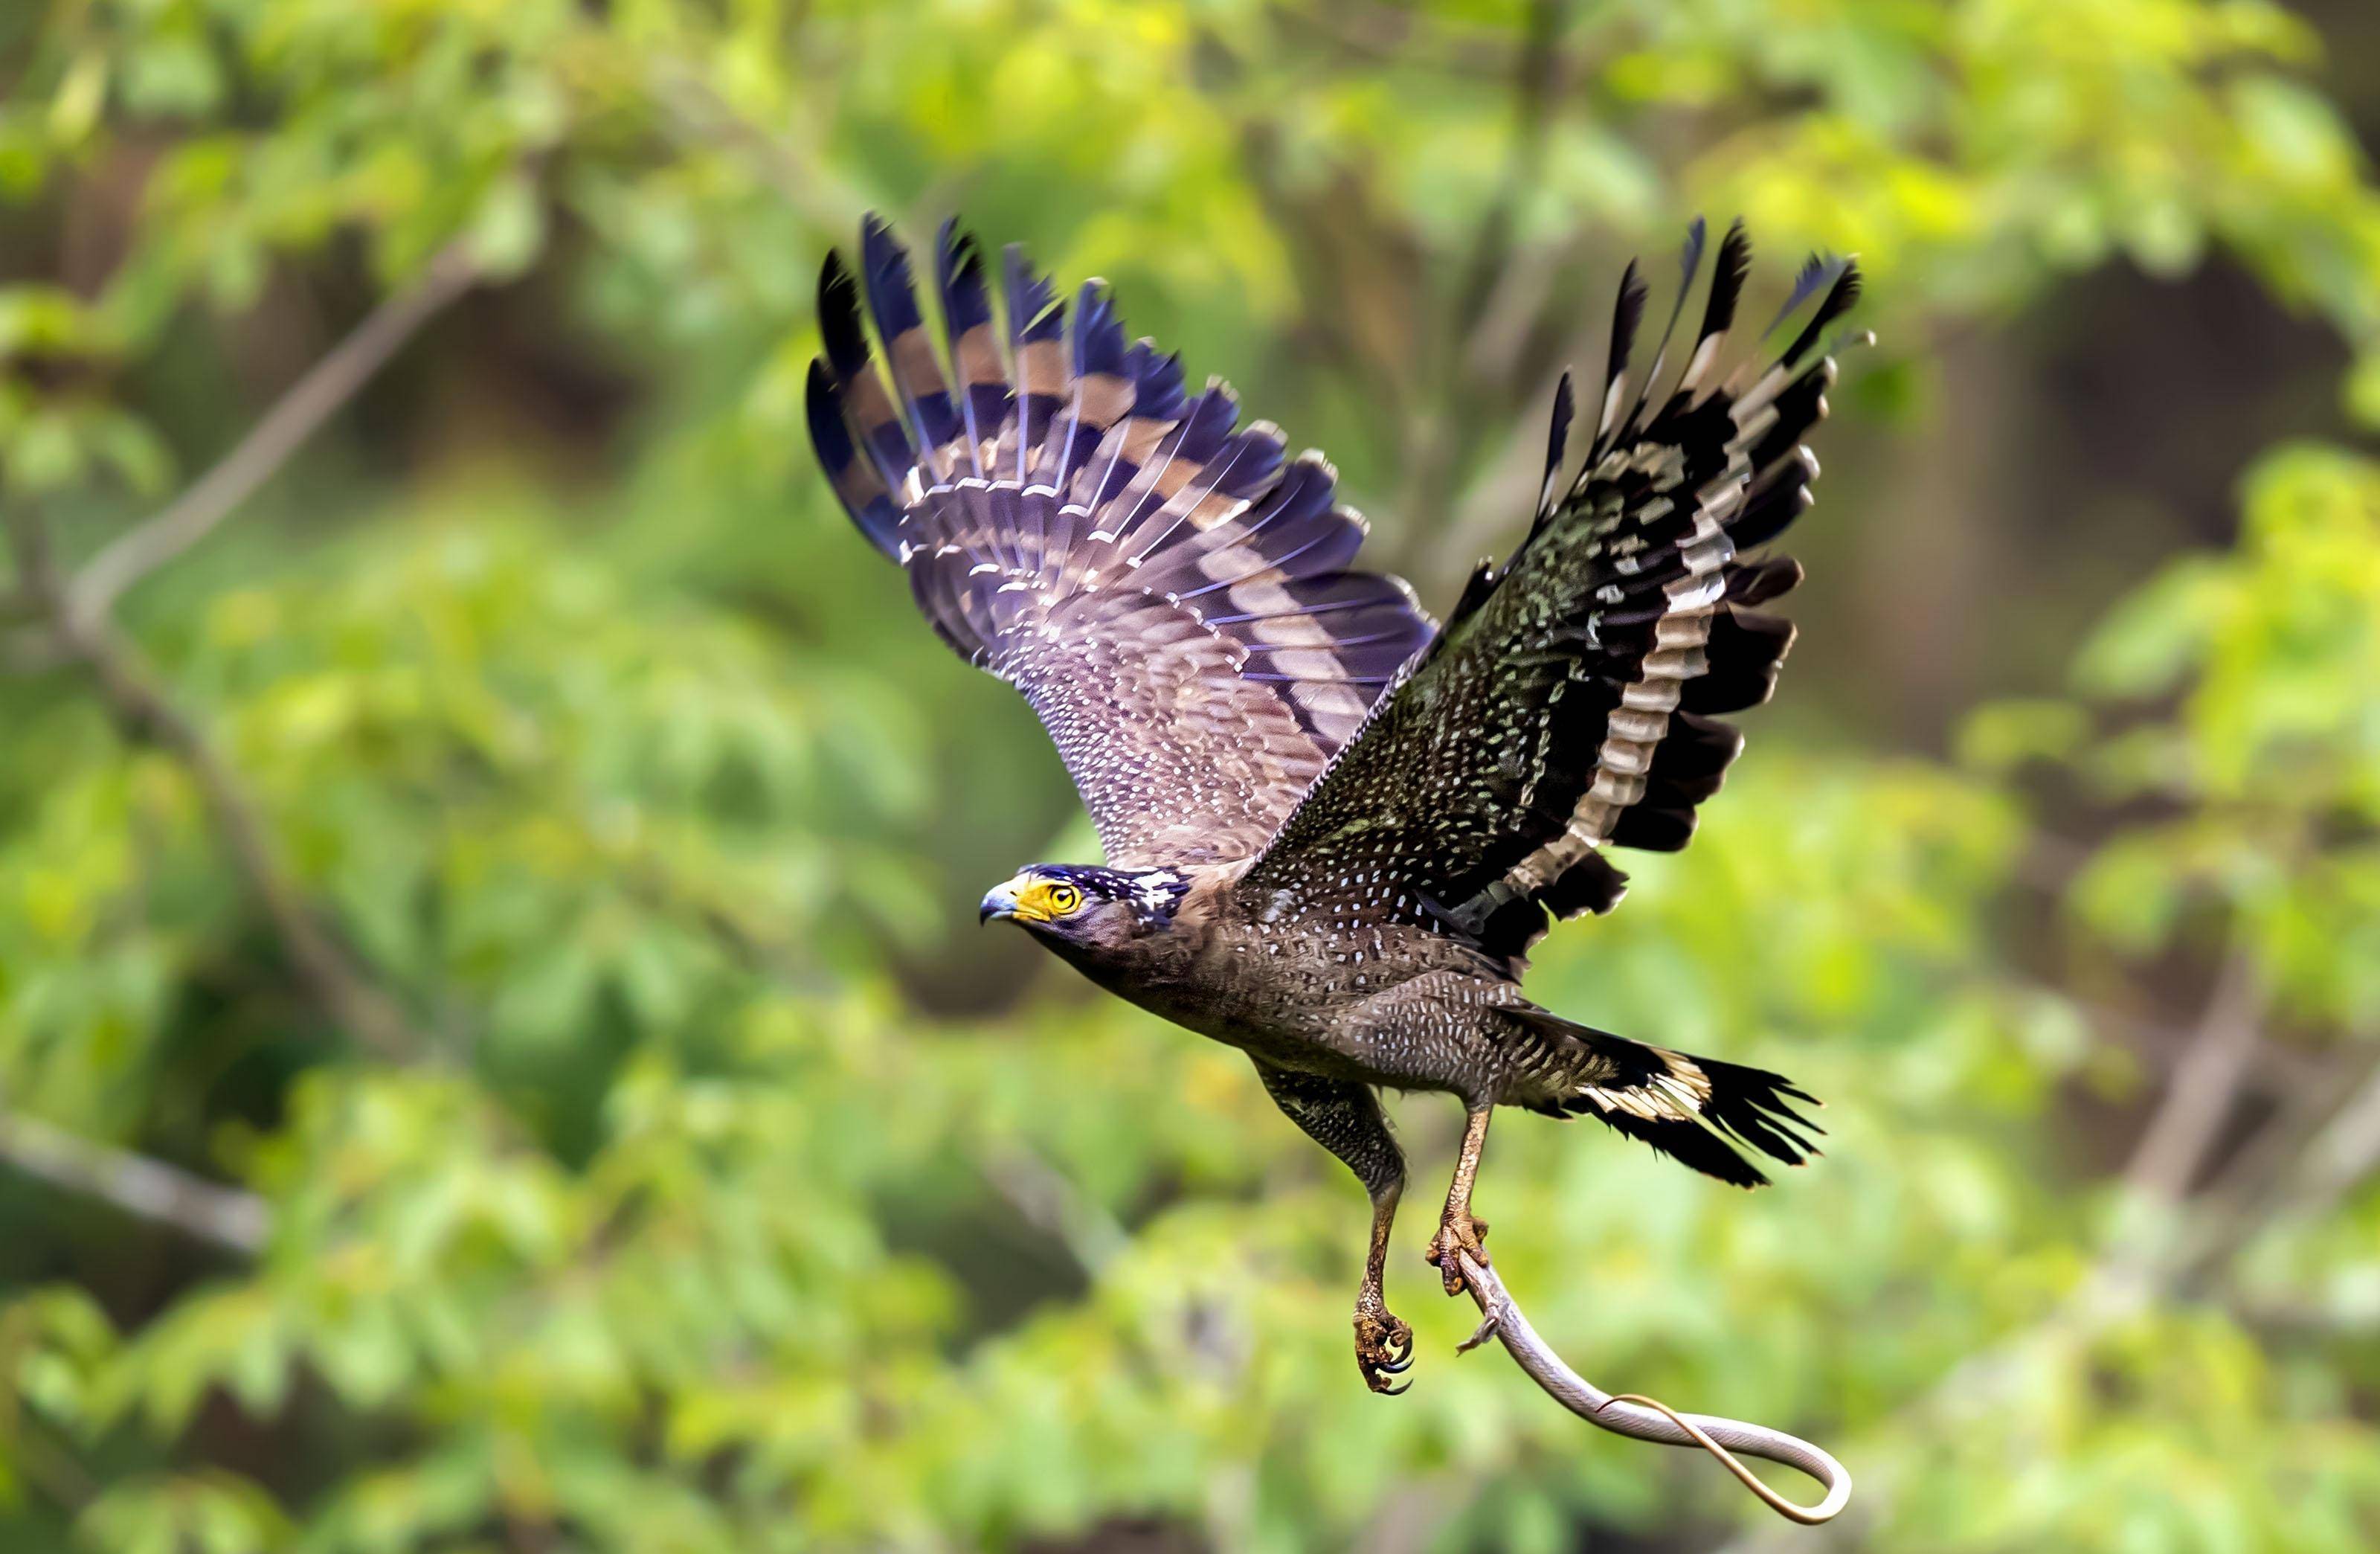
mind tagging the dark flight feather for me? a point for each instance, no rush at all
(1557, 443)
(1627, 313)
(1690, 263)
(1568, 707)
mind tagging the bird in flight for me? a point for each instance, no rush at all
(1333, 827)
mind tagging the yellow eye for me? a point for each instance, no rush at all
(1064, 899)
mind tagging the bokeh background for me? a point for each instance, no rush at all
(495, 1053)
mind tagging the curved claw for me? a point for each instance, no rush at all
(1459, 1236)
(1384, 1347)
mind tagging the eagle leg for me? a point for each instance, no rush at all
(1383, 1344)
(1345, 1117)
(1459, 1234)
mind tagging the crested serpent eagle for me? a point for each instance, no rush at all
(1334, 827)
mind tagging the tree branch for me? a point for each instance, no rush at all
(143, 713)
(2198, 1097)
(1439, 435)
(2270, 1068)
(147, 1189)
(1537, 71)
(2332, 1161)
(2341, 1156)
(2198, 1100)
(1045, 1198)
(1643, 1418)
(699, 118)
(293, 418)
(1380, 34)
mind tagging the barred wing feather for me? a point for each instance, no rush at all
(1174, 596)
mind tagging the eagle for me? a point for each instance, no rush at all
(1333, 826)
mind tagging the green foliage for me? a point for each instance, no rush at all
(735, 1195)
(2270, 767)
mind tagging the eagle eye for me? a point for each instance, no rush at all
(1064, 900)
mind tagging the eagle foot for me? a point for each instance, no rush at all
(1459, 1235)
(1383, 1348)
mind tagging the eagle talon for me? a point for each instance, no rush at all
(1458, 1236)
(1383, 1348)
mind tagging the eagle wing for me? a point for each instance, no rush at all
(1173, 596)
(1570, 703)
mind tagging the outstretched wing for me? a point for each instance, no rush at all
(1569, 704)
(1173, 596)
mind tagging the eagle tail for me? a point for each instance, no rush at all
(1696, 1111)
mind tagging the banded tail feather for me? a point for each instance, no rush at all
(1699, 1112)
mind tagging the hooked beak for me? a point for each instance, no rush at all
(1003, 902)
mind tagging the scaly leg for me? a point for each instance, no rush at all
(1383, 1344)
(1345, 1118)
(1458, 1232)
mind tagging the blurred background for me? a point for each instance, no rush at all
(495, 1052)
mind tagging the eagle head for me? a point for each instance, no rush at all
(1086, 909)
